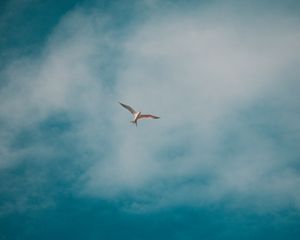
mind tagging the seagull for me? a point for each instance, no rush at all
(137, 115)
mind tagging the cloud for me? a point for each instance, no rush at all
(46, 103)
(202, 76)
(219, 84)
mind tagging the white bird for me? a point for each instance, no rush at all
(137, 115)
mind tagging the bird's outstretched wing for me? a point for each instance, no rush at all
(130, 109)
(148, 116)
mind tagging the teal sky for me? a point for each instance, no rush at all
(223, 162)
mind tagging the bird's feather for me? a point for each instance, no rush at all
(148, 116)
(130, 109)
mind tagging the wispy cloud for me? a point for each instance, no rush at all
(225, 88)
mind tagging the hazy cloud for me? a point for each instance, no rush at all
(225, 88)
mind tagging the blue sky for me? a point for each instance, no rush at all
(221, 163)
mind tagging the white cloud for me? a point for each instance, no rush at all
(199, 74)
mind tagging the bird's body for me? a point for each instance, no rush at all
(137, 115)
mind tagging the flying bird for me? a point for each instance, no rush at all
(137, 115)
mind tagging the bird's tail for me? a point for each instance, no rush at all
(134, 122)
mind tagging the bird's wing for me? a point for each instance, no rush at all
(148, 116)
(130, 109)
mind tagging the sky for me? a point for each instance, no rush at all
(222, 162)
